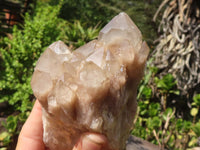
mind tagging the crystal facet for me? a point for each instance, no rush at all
(92, 89)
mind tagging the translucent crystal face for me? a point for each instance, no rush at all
(92, 89)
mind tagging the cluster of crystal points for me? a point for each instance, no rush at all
(92, 89)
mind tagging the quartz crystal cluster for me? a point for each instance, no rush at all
(92, 89)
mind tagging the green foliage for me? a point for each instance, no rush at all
(20, 54)
(166, 84)
(196, 99)
(101, 11)
(76, 34)
(196, 105)
(154, 108)
(88, 11)
(18, 57)
(144, 91)
(161, 127)
(156, 121)
(11, 126)
(196, 129)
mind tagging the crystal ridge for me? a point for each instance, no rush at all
(91, 89)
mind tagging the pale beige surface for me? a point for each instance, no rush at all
(92, 89)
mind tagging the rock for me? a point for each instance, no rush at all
(92, 89)
(135, 143)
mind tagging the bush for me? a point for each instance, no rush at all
(20, 54)
(157, 119)
(18, 57)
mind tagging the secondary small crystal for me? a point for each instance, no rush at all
(92, 89)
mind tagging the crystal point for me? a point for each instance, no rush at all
(92, 89)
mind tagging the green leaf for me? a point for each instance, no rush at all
(186, 126)
(196, 129)
(154, 108)
(147, 92)
(166, 83)
(167, 112)
(196, 99)
(194, 112)
(179, 124)
(154, 122)
(11, 124)
(192, 142)
(176, 92)
(3, 135)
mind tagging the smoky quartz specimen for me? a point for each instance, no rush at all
(92, 89)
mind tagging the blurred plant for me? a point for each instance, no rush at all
(162, 127)
(20, 53)
(196, 129)
(195, 110)
(166, 85)
(10, 126)
(144, 91)
(155, 121)
(92, 12)
(76, 34)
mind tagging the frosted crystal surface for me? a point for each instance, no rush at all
(92, 89)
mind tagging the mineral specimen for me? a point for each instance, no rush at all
(92, 89)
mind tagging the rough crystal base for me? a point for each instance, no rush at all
(92, 89)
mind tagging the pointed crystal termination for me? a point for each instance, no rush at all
(92, 89)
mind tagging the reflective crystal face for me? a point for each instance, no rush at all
(92, 89)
